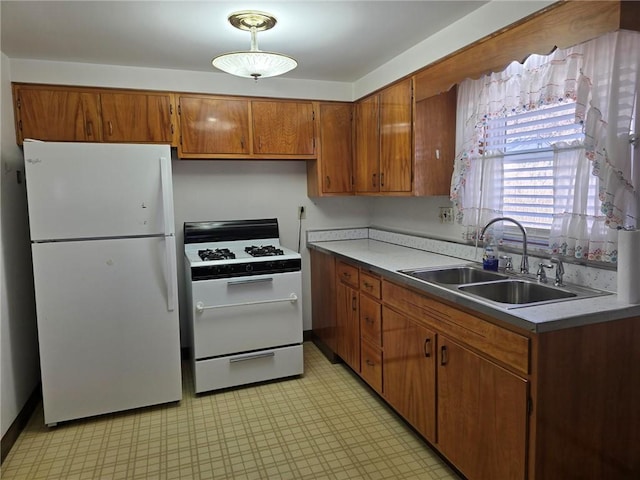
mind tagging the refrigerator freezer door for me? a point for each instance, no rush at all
(107, 339)
(92, 190)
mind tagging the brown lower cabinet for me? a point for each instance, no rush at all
(482, 414)
(410, 371)
(498, 402)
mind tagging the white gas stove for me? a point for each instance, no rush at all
(244, 290)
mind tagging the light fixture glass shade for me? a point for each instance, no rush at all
(254, 64)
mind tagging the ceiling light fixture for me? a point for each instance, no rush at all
(253, 63)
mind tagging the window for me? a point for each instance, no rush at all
(532, 187)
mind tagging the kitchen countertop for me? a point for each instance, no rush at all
(387, 258)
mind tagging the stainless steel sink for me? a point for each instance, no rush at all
(516, 292)
(503, 290)
(455, 275)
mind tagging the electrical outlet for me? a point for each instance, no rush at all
(302, 212)
(446, 215)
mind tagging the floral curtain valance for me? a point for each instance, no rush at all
(602, 78)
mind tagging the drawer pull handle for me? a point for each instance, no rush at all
(346, 274)
(427, 347)
(370, 363)
(444, 358)
(369, 320)
(252, 356)
(354, 305)
(368, 285)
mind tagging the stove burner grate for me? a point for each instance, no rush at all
(263, 251)
(217, 254)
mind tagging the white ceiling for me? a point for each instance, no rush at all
(331, 40)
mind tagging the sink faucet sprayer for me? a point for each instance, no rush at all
(524, 264)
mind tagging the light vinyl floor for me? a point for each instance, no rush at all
(325, 424)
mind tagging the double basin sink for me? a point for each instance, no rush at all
(500, 289)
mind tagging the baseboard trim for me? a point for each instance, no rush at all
(9, 438)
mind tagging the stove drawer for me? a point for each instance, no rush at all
(234, 315)
(242, 369)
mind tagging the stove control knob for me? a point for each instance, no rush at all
(249, 268)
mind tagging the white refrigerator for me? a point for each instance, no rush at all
(104, 267)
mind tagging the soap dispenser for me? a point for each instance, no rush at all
(490, 256)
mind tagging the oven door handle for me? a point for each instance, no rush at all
(201, 307)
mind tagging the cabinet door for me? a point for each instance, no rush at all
(283, 128)
(395, 138)
(137, 117)
(434, 138)
(348, 325)
(57, 115)
(210, 125)
(367, 145)
(482, 414)
(323, 298)
(410, 371)
(336, 147)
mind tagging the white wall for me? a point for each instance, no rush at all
(19, 362)
(414, 215)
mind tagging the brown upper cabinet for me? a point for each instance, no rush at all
(383, 141)
(213, 125)
(243, 128)
(137, 117)
(283, 128)
(434, 136)
(51, 114)
(332, 173)
(80, 114)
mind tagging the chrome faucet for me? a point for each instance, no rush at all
(524, 264)
(559, 271)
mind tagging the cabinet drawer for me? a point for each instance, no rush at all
(370, 284)
(370, 324)
(348, 274)
(371, 365)
(506, 346)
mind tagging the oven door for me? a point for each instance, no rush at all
(242, 314)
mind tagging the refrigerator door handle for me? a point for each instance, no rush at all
(167, 200)
(171, 273)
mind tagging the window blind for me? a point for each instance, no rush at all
(527, 140)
